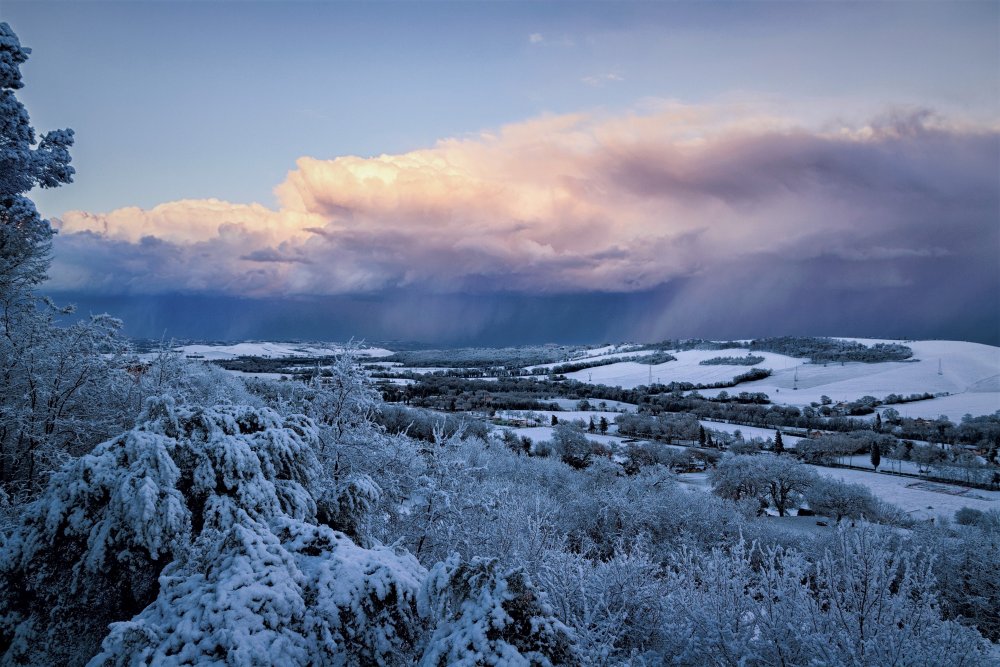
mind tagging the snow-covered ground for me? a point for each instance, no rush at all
(544, 433)
(566, 416)
(608, 352)
(687, 368)
(953, 407)
(917, 497)
(920, 502)
(262, 376)
(274, 350)
(749, 432)
(865, 461)
(570, 404)
(969, 372)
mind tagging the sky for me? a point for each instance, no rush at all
(501, 173)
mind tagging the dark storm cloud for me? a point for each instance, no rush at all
(711, 221)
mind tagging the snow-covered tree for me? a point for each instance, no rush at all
(868, 600)
(195, 534)
(485, 614)
(25, 163)
(837, 499)
(615, 606)
(779, 480)
(53, 379)
(571, 446)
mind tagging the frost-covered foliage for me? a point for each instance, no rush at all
(57, 390)
(824, 350)
(837, 499)
(24, 236)
(344, 396)
(965, 565)
(865, 601)
(615, 606)
(776, 480)
(749, 360)
(206, 516)
(44, 370)
(486, 615)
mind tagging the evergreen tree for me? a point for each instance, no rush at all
(604, 425)
(555, 420)
(779, 445)
(25, 237)
(592, 427)
(878, 423)
(701, 436)
(876, 455)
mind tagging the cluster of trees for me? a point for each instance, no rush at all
(685, 344)
(830, 350)
(833, 447)
(667, 427)
(748, 408)
(819, 350)
(426, 425)
(943, 462)
(749, 360)
(784, 483)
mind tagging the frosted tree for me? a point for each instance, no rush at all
(195, 535)
(344, 396)
(615, 607)
(25, 163)
(869, 600)
(836, 499)
(52, 379)
(572, 446)
(488, 615)
(778, 480)
(875, 603)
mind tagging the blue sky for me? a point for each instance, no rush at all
(245, 88)
(530, 148)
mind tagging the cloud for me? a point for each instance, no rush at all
(724, 200)
(537, 38)
(599, 80)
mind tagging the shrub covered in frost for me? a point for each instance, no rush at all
(487, 615)
(195, 534)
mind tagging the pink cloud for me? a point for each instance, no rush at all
(567, 203)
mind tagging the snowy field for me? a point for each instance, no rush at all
(919, 501)
(969, 372)
(687, 368)
(953, 407)
(570, 404)
(565, 416)
(544, 433)
(607, 352)
(749, 432)
(274, 350)
(865, 461)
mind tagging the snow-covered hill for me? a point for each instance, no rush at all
(969, 373)
(687, 368)
(274, 350)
